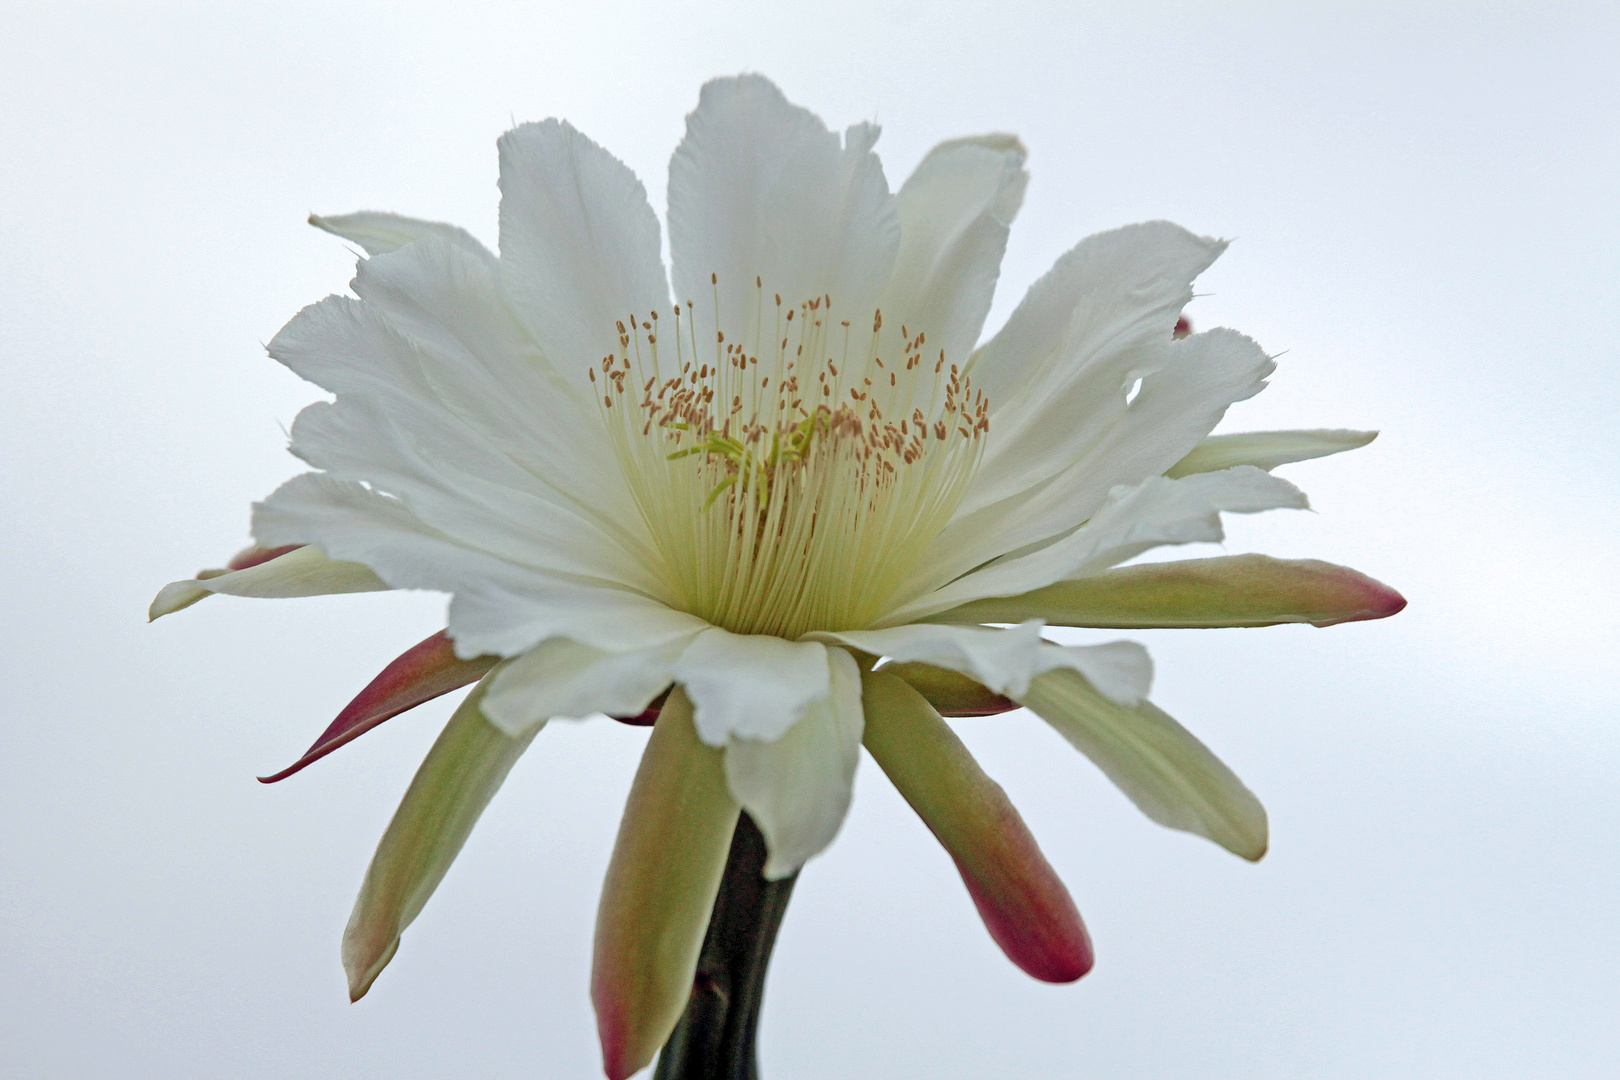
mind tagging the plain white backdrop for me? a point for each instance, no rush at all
(1424, 199)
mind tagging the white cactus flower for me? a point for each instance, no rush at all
(795, 490)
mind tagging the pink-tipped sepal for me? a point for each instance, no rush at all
(1024, 905)
(419, 674)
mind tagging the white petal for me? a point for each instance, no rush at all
(750, 686)
(579, 243)
(954, 213)
(378, 232)
(1109, 293)
(1171, 776)
(1156, 511)
(499, 608)
(302, 572)
(760, 188)
(797, 788)
(1121, 670)
(563, 678)
(1007, 660)
(496, 617)
(1267, 449)
(1186, 387)
(441, 403)
(500, 510)
(467, 765)
(1003, 660)
(433, 336)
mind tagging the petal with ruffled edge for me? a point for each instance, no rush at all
(1023, 903)
(304, 571)
(462, 772)
(797, 787)
(1007, 660)
(760, 188)
(1135, 519)
(751, 686)
(955, 210)
(561, 678)
(379, 232)
(660, 887)
(579, 243)
(1231, 590)
(1267, 449)
(1171, 776)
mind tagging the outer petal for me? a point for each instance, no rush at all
(1023, 903)
(563, 678)
(751, 686)
(303, 571)
(659, 891)
(1135, 519)
(1168, 774)
(1006, 660)
(798, 787)
(954, 213)
(379, 232)
(760, 188)
(579, 243)
(1267, 449)
(1233, 590)
(465, 768)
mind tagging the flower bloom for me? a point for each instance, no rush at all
(779, 507)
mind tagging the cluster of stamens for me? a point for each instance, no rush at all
(786, 488)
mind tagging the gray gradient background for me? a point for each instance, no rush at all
(1425, 204)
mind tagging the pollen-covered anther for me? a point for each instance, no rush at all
(770, 515)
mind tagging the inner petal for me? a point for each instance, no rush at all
(791, 482)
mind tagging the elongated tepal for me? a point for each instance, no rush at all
(660, 888)
(1024, 905)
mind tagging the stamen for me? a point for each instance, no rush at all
(769, 517)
